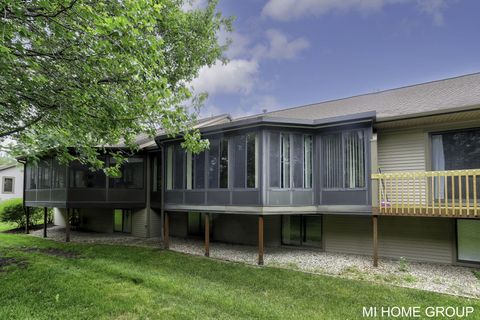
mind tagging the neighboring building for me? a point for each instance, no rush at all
(11, 179)
(392, 173)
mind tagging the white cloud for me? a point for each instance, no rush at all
(434, 8)
(279, 47)
(237, 76)
(239, 45)
(286, 10)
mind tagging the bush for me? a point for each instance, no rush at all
(12, 211)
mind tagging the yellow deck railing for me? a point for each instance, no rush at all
(453, 193)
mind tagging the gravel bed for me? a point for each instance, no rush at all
(426, 276)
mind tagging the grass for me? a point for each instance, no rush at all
(48, 280)
(4, 226)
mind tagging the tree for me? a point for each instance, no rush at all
(82, 74)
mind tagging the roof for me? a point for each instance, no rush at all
(436, 97)
(8, 166)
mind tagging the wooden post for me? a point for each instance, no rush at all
(375, 241)
(166, 238)
(67, 226)
(27, 219)
(45, 214)
(260, 240)
(207, 234)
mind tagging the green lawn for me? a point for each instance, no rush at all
(4, 226)
(48, 280)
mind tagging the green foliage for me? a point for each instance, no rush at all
(84, 74)
(403, 264)
(476, 273)
(12, 211)
(126, 282)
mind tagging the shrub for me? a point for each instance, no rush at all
(12, 211)
(403, 264)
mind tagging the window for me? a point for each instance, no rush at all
(82, 176)
(122, 220)
(284, 160)
(8, 184)
(44, 169)
(213, 163)
(131, 174)
(169, 167)
(307, 161)
(456, 150)
(156, 168)
(240, 158)
(252, 163)
(468, 240)
(59, 175)
(178, 166)
(199, 170)
(302, 230)
(189, 171)
(32, 176)
(218, 163)
(224, 163)
(343, 160)
(291, 159)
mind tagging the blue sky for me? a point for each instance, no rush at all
(293, 52)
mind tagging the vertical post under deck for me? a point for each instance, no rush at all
(207, 234)
(67, 226)
(166, 236)
(375, 240)
(260, 240)
(45, 216)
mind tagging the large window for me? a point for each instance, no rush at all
(44, 171)
(291, 158)
(8, 184)
(59, 175)
(302, 230)
(343, 160)
(81, 176)
(456, 150)
(245, 155)
(131, 174)
(468, 240)
(218, 163)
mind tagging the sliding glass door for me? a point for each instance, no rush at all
(122, 220)
(302, 230)
(468, 240)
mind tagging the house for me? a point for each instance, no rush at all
(391, 174)
(11, 178)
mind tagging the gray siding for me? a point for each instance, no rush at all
(178, 222)
(139, 223)
(243, 229)
(155, 223)
(423, 239)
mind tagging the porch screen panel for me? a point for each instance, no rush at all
(252, 155)
(468, 240)
(199, 170)
(307, 161)
(169, 167)
(213, 163)
(178, 167)
(354, 148)
(298, 161)
(332, 161)
(239, 144)
(32, 176)
(131, 174)
(224, 163)
(285, 146)
(44, 174)
(274, 159)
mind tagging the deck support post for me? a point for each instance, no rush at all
(27, 220)
(67, 226)
(375, 240)
(207, 234)
(45, 218)
(166, 236)
(260, 240)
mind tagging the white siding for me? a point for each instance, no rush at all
(59, 216)
(17, 174)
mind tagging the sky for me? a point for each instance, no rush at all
(288, 53)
